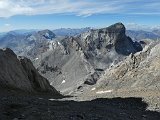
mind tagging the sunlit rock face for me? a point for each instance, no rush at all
(108, 45)
(82, 59)
(138, 71)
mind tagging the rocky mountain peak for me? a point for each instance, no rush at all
(47, 34)
(112, 38)
(41, 36)
(83, 58)
(7, 51)
(105, 37)
(116, 28)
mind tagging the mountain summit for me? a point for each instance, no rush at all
(81, 59)
(47, 34)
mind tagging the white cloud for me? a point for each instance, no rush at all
(32, 7)
(135, 26)
(7, 25)
(9, 8)
(79, 7)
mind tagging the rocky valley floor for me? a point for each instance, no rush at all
(19, 106)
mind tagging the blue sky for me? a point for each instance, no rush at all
(52, 14)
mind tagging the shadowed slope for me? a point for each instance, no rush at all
(43, 108)
(19, 73)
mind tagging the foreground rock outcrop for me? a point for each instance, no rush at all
(138, 71)
(136, 76)
(19, 73)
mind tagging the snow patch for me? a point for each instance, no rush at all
(51, 99)
(112, 64)
(51, 83)
(63, 81)
(51, 45)
(47, 34)
(93, 89)
(102, 92)
(59, 43)
(37, 58)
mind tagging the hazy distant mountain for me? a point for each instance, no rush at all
(134, 34)
(140, 35)
(12, 40)
(2, 34)
(24, 31)
(15, 38)
(25, 43)
(38, 42)
(70, 31)
(157, 31)
(25, 40)
(58, 32)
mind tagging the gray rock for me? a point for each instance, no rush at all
(73, 61)
(21, 74)
(138, 71)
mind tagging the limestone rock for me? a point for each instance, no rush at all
(138, 71)
(21, 74)
(83, 58)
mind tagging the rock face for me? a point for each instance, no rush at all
(138, 71)
(108, 45)
(21, 74)
(73, 61)
(64, 64)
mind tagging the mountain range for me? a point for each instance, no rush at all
(83, 65)
(135, 34)
(91, 52)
